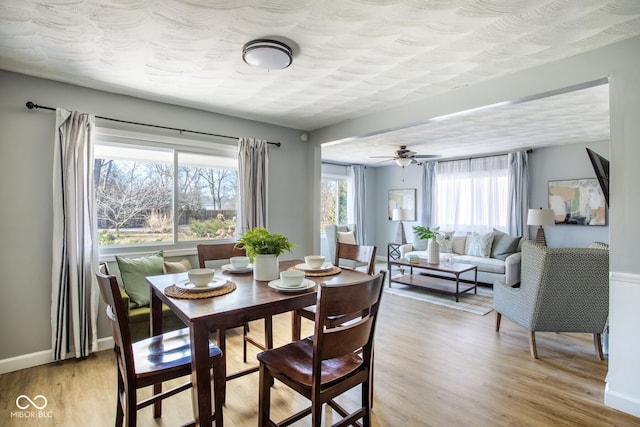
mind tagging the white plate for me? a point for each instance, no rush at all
(306, 284)
(324, 267)
(215, 283)
(231, 269)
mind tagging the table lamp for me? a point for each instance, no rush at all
(398, 215)
(540, 217)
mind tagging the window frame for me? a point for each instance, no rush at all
(219, 147)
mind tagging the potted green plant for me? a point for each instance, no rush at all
(264, 248)
(432, 235)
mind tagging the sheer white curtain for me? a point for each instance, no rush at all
(518, 194)
(472, 194)
(253, 161)
(74, 298)
(357, 203)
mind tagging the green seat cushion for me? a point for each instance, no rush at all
(133, 272)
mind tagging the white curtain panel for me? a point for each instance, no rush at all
(253, 161)
(74, 297)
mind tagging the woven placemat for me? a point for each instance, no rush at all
(175, 292)
(333, 271)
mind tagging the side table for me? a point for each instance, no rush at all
(393, 254)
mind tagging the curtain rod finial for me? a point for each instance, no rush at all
(30, 105)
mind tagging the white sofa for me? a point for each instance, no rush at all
(500, 262)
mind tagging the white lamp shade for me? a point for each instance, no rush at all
(396, 215)
(540, 217)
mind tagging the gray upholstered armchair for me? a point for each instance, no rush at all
(562, 290)
(331, 231)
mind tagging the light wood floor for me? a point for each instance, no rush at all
(434, 367)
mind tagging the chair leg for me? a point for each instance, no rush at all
(498, 319)
(119, 410)
(597, 341)
(245, 331)
(532, 344)
(264, 397)
(296, 326)
(157, 407)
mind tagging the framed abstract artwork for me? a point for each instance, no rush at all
(577, 202)
(405, 200)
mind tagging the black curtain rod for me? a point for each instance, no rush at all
(30, 105)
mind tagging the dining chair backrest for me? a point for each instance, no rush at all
(359, 301)
(117, 315)
(359, 254)
(214, 252)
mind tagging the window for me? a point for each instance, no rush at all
(334, 192)
(336, 188)
(153, 190)
(472, 194)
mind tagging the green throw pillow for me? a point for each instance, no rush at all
(503, 245)
(133, 272)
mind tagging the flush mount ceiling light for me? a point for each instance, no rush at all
(267, 54)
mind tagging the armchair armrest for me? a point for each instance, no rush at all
(512, 267)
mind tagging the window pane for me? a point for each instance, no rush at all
(207, 197)
(328, 192)
(133, 195)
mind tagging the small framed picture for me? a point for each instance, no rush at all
(404, 200)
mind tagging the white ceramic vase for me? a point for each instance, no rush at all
(433, 251)
(265, 267)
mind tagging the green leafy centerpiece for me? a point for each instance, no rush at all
(264, 248)
(431, 235)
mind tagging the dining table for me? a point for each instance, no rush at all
(250, 300)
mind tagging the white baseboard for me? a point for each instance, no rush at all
(41, 358)
(621, 402)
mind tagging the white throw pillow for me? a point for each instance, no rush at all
(445, 240)
(479, 244)
(459, 244)
(348, 237)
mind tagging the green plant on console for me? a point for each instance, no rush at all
(426, 233)
(260, 241)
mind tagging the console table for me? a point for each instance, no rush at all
(432, 282)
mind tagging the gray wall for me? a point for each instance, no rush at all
(26, 150)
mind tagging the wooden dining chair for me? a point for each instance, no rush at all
(334, 360)
(151, 361)
(217, 252)
(358, 254)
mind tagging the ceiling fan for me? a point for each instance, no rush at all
(404, 157)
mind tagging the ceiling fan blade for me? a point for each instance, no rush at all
(426, 156)
(381, 157)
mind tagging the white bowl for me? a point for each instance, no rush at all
(314, 261)
(239, 261)
(200, 276)
(291, 278)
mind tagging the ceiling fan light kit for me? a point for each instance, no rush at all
(403, 161)
(267, 54)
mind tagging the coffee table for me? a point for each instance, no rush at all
(437, 284)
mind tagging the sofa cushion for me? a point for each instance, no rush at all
(479, 244)
(445, 240)
(459, 243)
(133, 272)
(503, 245)
(490, 265)
(181, 266)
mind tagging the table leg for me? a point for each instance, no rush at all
(201, 375)
(155, 322)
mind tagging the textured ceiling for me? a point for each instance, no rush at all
(351, 57)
